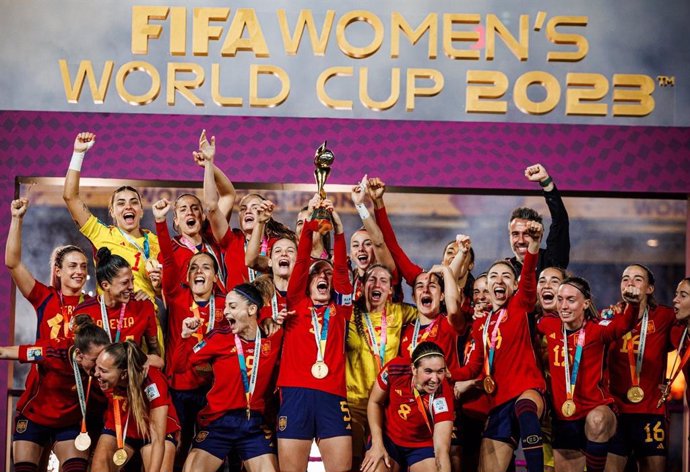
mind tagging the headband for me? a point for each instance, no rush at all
(250, 298)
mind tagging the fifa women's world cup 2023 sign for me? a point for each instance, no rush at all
(553, 62)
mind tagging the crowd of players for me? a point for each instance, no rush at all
(237, 348)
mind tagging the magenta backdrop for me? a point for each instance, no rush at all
(482, 156)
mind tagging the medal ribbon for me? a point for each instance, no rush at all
(274, 305)
(420, 406)
(106, 322)
(211, 313)
(146, 250)
(264, 251)
(379, 358)
(119, 436)
(683, 360)
(189, 244)
(65, 311)
(571, 377)
(83, 399)
(249, 381)
(489, 360)
(425, 334)
(320, 333)
(636, 365)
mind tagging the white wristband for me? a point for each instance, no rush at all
(362, 210)
(77, 159)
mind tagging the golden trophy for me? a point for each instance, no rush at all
(323, 159)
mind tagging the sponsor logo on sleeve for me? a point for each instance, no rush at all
(152, 392)
(440, 405)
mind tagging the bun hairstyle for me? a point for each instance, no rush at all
(582, 285)
(129, 357)
(264, 285)
(87, 334)
(426, 349)
(108, 265)
(57, 258)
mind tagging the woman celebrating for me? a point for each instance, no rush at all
(140, 414)
(373, 339)
(583, 420)
(410, 413)
(312, 369)
(515, 388)
(54, 304)
(116, 311)
(52, 411)
(244, 362)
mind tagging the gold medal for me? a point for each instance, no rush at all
(568, 408)
(319, 370)
(120, 457)
(82, 442)
(489, 384)
(635, 394)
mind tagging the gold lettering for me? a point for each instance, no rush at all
(144, 98)
(85, 71)
(519, 49)
(636, 89)
(577, 40)
(142, 30)
(367, 17)
(203, 31)
(399, 23)
(368, 102)
(450, 36)
(184, 86)
(579, 101)
(324, 98)
(551, 86)
(218, 99)
(245, 18)
(414, 91)
(494, 86)
(305, 19)
(178, 31)
(280, 97)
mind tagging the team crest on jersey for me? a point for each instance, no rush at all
(265, 347)
(34, 353)
(201, 436)
(440, 405)
(22, 425)
(650, 326)
(152, 392)
(282, 423)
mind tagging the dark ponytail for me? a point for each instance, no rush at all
(108, 265)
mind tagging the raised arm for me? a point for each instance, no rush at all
(408, 270)
(461, 261)
(383, 255)
(13, 249)
(252, 256)
(216, 216)
(341, 276)
(76, 206)
(171, 272)
(226, 191)
(557, 253)
(527, 285)
(297, 285)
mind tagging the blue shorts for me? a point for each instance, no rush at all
(568, 434)
(233, 432)
(137, 444)
(308, 414)
(27, 430)
(405, 457)
(188, 404)
(503, 425)
(645, 435)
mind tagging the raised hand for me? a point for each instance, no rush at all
(536, 173)
(265, 211)
(189, 326)
(19, 207)
(207, 150)
(161, 209)
(84, 141)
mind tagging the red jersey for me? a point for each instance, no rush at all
(280, 302)
(590, 388)
(515, 366)
(300, 349)
(438, 331)
(52, 399)
(232, 247)
(227, 392)
(657, 344)
(408, 269)
(139, 319)
(156, 395)
(53, 314)
(405, 424)
(475, 402)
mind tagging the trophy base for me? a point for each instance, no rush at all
(323, 218)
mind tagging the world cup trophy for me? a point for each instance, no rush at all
(323, 159)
